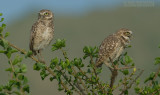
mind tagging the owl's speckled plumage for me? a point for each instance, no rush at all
(42, 31)
(113, 46)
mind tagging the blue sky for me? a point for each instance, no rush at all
(15, 8)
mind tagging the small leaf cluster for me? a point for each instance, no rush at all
(18, 79)
(89, 51)
(126, 61)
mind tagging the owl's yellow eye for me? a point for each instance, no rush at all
(127, 33)
(45, 14)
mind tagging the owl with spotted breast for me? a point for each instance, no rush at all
(113, 46)
(42, 31)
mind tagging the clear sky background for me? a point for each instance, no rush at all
(15, 8)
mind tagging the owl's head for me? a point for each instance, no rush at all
(45, 15)
(125, 34)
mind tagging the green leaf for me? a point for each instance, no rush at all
(2, 93)
(35, 67)
(157, 60)
(24, 68)
(2, 51)
(43, 74)
(1, 29)
(129, 46)
(26, 88)
(125, 72)
(126, 92)
(98, 70)
(77, 62)
(150, 77)
(9, 55)
(137, 89)
(9, 69)
(17, 93)
(25, 80)
(12, 82)
(52, 78)
(29, 53)
(58, 45)
(55, 61)
(9, 52)
(21, 77)
(38, 66)
(69, 92)
(54, 48)
(2, 19)
(13, 51)
(17, 60)
(128, 59)
(1, 88)
(90, 51)
(6, 34)
(18, 70)
(137, 81)
(89, 71)
(4, 43)
(69, 70)
(3, 25)
(159, 74)
(1, 14)
(60, 88)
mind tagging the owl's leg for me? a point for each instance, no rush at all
(42, 58)
(39, 59)
(114, 66)
(108, 65)
(39, 56)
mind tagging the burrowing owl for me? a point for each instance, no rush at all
(42, 31)
(113, 46)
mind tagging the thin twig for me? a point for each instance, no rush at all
(80, 88)
(83, 72)
(130, 85)
(94, 70)
(126, 78)
(64, 76)
(74, 72)
(158, 71)
(13, 69)
(114, 72)
(125, 68)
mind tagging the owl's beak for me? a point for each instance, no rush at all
(130, 34)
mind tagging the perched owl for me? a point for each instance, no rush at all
(42, 31)
(113, 46)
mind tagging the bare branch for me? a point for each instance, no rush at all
(126, 68)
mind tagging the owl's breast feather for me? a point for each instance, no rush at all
(47, 33)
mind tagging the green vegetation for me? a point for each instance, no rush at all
(75, 76)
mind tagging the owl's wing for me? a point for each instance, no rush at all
(32, 36)
(106, 48)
